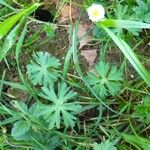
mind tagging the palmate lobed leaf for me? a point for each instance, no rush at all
(123, 12)
(106, 145)
(142, 11)
(124, 47)
(49, 30)
(105, 79)
(130, 55)
(142, 111)
(42, 69)
(27, 118)
(60, 109)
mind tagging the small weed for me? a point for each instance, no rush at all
(65, 101)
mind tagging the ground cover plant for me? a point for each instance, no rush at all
(75, 75)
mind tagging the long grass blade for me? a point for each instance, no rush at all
(130, 55)
(126, 24)
(7, 24)
(6, 4)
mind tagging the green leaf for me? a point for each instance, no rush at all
(6, 25)
(142, 111)
(10, 120)
(20, 128)
(42, 69)
(3, 111)
(20, 43)
(67, 63)
(142, 11)
(124, 12)
(10, 39)
(60, 106)
(21, 106)
(50, 30)
(5, 4)
(106, 145)
(15, 85)
(105, 79)
(78, 68)
(126, 24)
(45, 141)
(137, 141)
(130, 55)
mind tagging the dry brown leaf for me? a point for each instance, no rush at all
(17, 94)
(71, 13)
(68, 13)
(84, 38)
(89, 55)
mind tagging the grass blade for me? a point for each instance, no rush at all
(10, 39)
(78, 69)
(130, 55)
(6, 25)
(20, 42)
(6, 5)
(126, 24)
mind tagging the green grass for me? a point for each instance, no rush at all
(60, 102)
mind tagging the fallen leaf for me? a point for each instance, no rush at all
(72, 13)
(68, 13)
(17, 94)
(82, 34)
(90, 56)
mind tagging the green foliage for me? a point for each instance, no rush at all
(60, 106)
(6, 25)
(100, 34)
(128, 52)
(142, 11)
(3, 2)
(124, 12)
(138, 142)
(42, 69)
(105, 79)
(9, 23)
(27, 128)
(10, 39)
(142, 111)
(48, 141)
(50, 30)
(20, 128)
(106, 145)
(48, 114)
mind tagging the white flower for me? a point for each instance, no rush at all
(96, 12)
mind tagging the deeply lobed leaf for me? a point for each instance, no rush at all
(60, 109)
(42, 69)
(105, 80)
